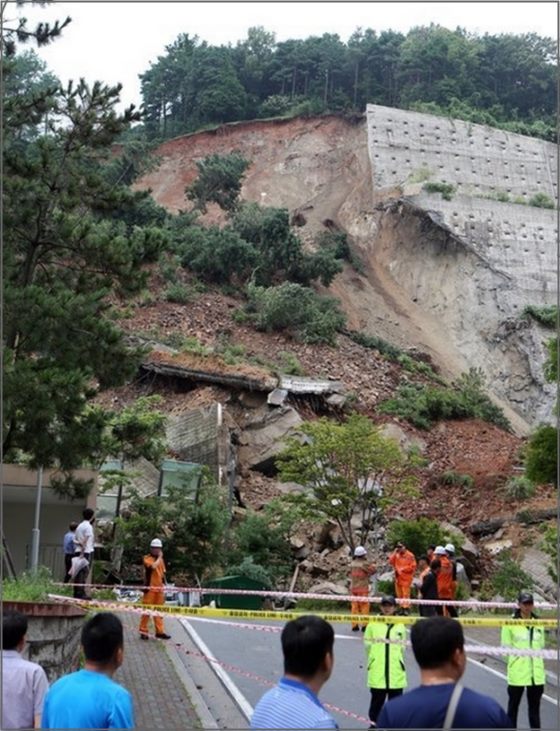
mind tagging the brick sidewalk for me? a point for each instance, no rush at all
(159, 695)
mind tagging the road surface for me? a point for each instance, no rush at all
(251, 660)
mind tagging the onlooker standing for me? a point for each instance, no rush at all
(386, 674)
(154, 567)
(525, 672)
(441, 701)
(90, 698)
(404, 563)
(428, 590)
(307, 645)
(24, 683)
(69, 549)
(84, 545)
(360, 572)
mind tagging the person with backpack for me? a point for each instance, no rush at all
(154, 593)
(386, 673)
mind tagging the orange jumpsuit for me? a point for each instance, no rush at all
(404, 565)
(445, 583)
(360, 571)
(156, 594)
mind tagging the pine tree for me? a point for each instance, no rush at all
(66, 250)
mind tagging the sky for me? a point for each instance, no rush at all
(116, 41)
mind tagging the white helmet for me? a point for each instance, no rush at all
(439, 551)
(450, 548)
(359, 551)
(156, 543)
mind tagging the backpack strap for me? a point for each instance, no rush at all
(452, 706)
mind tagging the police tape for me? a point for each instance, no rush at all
(472, 649)
(278, 616)
(466, 603)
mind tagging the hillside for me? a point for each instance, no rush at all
(449, 278)
(445, 281)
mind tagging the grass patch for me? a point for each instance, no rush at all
(30, 587)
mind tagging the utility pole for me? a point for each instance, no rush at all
(36, 533)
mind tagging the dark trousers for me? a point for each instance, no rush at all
(534, 694)
(378, 696)
(81, 578)
(67, 563)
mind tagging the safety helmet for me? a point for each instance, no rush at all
(439, 551)
(450, 548)
(156, 543)
(359, 551)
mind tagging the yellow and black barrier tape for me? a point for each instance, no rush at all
(280, 616)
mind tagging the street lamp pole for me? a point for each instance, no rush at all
(36, 533)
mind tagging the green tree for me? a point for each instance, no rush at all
(219, 181)
(418, 534)
(62, 257)
(349, 468)
(542, 455)
(264, 537)
(192, 527)
(289, 306)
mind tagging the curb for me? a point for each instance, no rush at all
(207, 721)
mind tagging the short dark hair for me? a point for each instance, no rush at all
(423, 558)
(88, 513)
(73, 525)
(14, 627)
(102, 636)
(305, 642)
(434, 640)
(431, 547)
(435, 564)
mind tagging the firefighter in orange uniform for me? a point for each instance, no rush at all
(404, 564)
(154, 568)
(446, 581)
(360, 572)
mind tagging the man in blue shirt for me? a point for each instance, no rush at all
(90, 698)
(307, 644)
(69, 549)
(438, 646)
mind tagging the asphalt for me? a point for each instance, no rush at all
(164, 694)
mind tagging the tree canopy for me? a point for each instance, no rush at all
(350, 469)
(506, 80)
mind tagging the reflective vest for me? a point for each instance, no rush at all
(385, 662)
(524, 670)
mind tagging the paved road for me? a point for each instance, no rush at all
(254, 657)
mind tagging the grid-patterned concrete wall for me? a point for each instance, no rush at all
(518, 244)
(478, 160)
(506, 252)
(410, 149)
(195, 437)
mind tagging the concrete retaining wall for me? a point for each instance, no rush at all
(53, 635)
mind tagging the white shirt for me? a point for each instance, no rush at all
(24, 685)
(83, 538)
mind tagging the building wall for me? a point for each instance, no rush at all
(18, 519)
